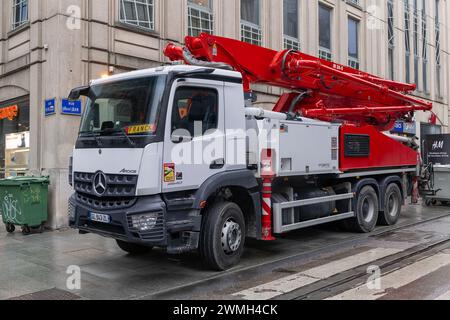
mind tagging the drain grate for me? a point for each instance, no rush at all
(51, 294)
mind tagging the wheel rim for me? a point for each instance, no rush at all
(231, 236)
(393, 205)
(368, 209)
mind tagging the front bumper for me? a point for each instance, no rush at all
(120, 227)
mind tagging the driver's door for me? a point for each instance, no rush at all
(194, 147)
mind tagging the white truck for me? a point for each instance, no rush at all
(176, 157)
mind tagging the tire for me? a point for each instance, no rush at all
(392, 206)
(222, 238)
(10, 228)
(132, 248)
(428, 203)
(366, 210)
(26, 230)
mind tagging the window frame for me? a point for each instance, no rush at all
(251, 28)
(408, 42)
(391, 38)
(193, 86)
(324, 52)
(19, 5)
(289, 41)
(354, 62)
(191, 5)
(128, 22)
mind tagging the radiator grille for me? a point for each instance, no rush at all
(105, 203)
(117, 185)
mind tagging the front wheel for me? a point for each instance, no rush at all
(223, 236)
(132, 248)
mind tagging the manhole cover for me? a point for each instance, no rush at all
(51, 294)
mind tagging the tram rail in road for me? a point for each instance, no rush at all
(315, 290)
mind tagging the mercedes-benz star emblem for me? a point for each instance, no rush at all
(99, 183)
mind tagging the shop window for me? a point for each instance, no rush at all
(15, 133)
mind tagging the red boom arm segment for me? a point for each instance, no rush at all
(320, 89)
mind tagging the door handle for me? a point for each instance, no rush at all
(217, 164)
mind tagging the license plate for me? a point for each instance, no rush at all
(97, 217)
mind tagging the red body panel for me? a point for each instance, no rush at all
(384, 152)
(334, 91)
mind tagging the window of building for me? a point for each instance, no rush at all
(407, 41)
(438, 48)
(290, 25)
(14, 130)
(325, 33)
(20, 13)
(353, 43)
(195, 111)
(139, 13)
(416, 42)
(391, 38)
(250, 22)
(354, 2)
(200, 17)
(424, 47)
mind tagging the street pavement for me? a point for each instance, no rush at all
(408, 261)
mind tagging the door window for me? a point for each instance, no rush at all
(195, 112)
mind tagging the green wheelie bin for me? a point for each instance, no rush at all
(23, 202)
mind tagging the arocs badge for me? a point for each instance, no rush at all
(169, 172)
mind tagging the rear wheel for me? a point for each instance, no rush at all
(26, 230)
(366, 212)
(392, 206)
(132, 248)
(223, 236)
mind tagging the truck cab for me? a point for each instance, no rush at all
(155, 147)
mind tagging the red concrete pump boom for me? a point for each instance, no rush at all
(319, 89)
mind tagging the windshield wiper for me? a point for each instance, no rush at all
(98, 134)
(131, 142)
(122, 132)
(91, 134)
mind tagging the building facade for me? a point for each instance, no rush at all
(48, 47)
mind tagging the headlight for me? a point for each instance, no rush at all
(144, 222)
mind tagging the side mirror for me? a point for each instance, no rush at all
(76, 93)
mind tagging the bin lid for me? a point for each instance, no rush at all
(19, 181)
(441, 168)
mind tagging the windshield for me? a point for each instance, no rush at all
(130, 107)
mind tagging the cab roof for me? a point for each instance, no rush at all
(165, 70)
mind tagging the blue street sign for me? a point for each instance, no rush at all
(50, 107)
(71, 107)
(410, 128)
(405, 128)
(399, 125)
